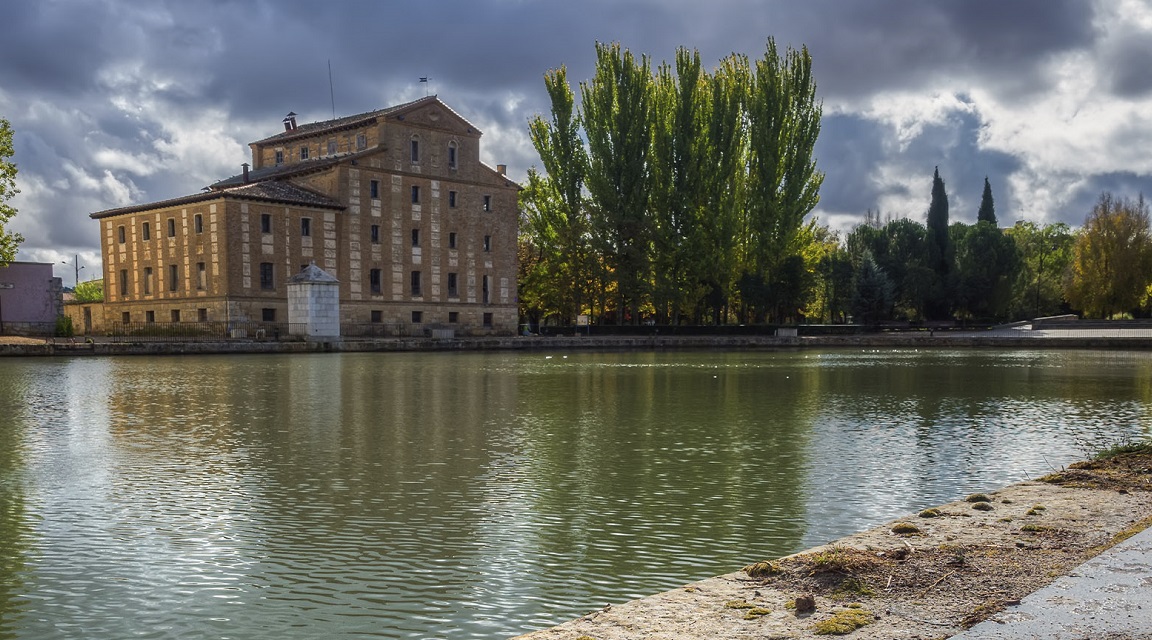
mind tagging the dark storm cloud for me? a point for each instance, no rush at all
(867, 47)
(1129, 67)
(1122, 184)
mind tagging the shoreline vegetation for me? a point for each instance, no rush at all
(930, 574)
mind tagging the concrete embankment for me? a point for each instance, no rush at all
(80, 347)
(927, 575)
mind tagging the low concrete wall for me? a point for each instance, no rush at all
(79, 346)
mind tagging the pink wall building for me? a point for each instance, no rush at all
(31, 298)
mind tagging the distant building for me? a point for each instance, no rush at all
(31, 299)
(394, 203)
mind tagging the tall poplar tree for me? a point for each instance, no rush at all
(987, 212)
(617, 111)
(725, 182)
(553, 204)
(9, 240)
(680, 109)
(784, 185)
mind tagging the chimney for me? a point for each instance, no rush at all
(502, 169)
(245, 165)
(290, 121)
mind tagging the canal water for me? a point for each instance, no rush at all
(484, 495)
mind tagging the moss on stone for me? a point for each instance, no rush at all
(844, 622)
(904, 528)
(930, 513)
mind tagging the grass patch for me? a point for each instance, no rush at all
(839, 559)
(1123, 448)
(756, 612)
(738, 604)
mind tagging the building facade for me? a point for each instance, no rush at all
(31, 299)
(394, 203)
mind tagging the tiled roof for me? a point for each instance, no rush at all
(269, 191)
(313, 128)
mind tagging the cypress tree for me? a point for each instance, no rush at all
(987, 211)
(938, 227)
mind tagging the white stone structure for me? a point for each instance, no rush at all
(314, 304)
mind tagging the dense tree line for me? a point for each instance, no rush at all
(673, 193)
(679, 195)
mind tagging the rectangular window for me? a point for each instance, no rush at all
(171, 227)
(451, 199)
(452, 289)
(120, 234)
(173, 277)
(415, 237)
(279, 156)
(268, 315)
(305, 227)
(361, 141)
(304, 153)
(452, 156)
(417, 317)
(485, 290)
(487, 243)
(266, 273)
(374, 189)
(377, 316)
(374, 280)
(487, 320)
(453, 316)
(147, 281)
(265, 223)
(198, 223)
(415, 284)
(201, 276)
(126, 317)
(375, 233)
(415, 195)
(123, 282)
(146, 231)
(487, 203)
(175, 315)
(202, 315)
(452, 240)
(415, 150)
(331, 147)
(149, 316)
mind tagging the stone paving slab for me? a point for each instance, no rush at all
(1107, 598)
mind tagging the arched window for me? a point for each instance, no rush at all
(452, 154)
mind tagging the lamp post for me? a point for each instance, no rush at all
(77, 267)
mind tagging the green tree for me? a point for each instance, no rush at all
(872, 300)
(617, 112)
(724, 183)
(90, 291)
(679, 151)
(784, 185)
(939, 250)
(987, 212)
(9, 240)
(1112, 258)
(556, 219)
(1046, 253)
(987, 263)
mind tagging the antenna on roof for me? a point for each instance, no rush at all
(425, 80)
(331, 91)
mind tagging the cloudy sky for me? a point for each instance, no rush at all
(116, 102)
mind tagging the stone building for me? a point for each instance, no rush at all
(395, 204)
